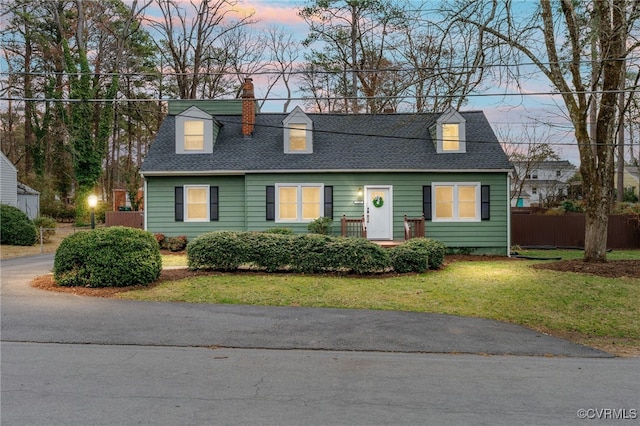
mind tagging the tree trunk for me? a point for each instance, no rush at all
(596, 228)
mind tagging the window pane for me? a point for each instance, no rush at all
(450, 137)
(467, 198)
(467, 194)
(297, 137)
(288, 195)
(196, 205)
(193, 143)
(467, 210)
(288, 203)
(194, 127)
(444, 202)
(194, 135)
(196, 195)
(196, 211)
(288, 211)
(310, 202)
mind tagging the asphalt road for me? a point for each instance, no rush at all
(69, 360)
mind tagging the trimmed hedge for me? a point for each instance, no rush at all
(16, 229)
(310, 253)
(108, 257)
(418, 255)
(306, 253)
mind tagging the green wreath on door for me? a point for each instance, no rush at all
(378, 201)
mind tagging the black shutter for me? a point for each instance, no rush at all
(179, 204)
(328, 202)
(484, 202)
(271, 202)
(213, 203)
(426, 202)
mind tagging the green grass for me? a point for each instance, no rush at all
(561, 303)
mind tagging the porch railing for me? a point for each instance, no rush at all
(350, 227)
(413, 227)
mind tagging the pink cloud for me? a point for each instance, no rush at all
(273, 13)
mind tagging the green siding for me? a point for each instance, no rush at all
(160, 205)
(213, 107)
(487, 236)
(238, 191)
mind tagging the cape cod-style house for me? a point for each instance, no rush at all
(223, 165)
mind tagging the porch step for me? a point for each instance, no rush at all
(387, 243)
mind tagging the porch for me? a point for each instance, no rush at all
(357, 227)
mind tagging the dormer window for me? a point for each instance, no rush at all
(451, 137)
(194, 132)
(298, 133)
(194, 135)
(297, 137)
(450, 133)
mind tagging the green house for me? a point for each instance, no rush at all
(222, 165)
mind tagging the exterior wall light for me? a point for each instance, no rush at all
(93, 202)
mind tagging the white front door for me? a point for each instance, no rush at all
(379, 212)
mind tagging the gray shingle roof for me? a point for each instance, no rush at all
(385, 142)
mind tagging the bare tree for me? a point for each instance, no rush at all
(191, 39)
(445, 62)
(526, 151)
(284, 51)
(613, 26)
(355, 35)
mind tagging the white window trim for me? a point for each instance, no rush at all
(456, 218)
(299, 187)
(194, 114)
(186, 203)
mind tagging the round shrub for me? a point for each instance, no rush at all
(309, 253)
(433, 250)
(266, 250)
(176, 244)
(406, 259)
(357, 255)
(109, 257)
(48, 225)
(16, 229)
(220, 250)
(321, 225)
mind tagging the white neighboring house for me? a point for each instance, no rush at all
(535, 184)
(8, 182)
(28, 200)
(17, 194)
(631, 179)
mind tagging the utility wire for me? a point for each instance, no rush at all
(334, 98)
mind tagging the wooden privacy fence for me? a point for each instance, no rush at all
(130, 219)
(568, 231)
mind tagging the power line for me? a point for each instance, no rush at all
(396, 69)
(334, 98)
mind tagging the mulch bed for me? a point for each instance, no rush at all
(610, 269)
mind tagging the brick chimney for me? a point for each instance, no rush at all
(248, 107)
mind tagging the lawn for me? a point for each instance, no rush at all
(584, 308)
(588, 309)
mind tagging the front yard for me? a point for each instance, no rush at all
(584, 307)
